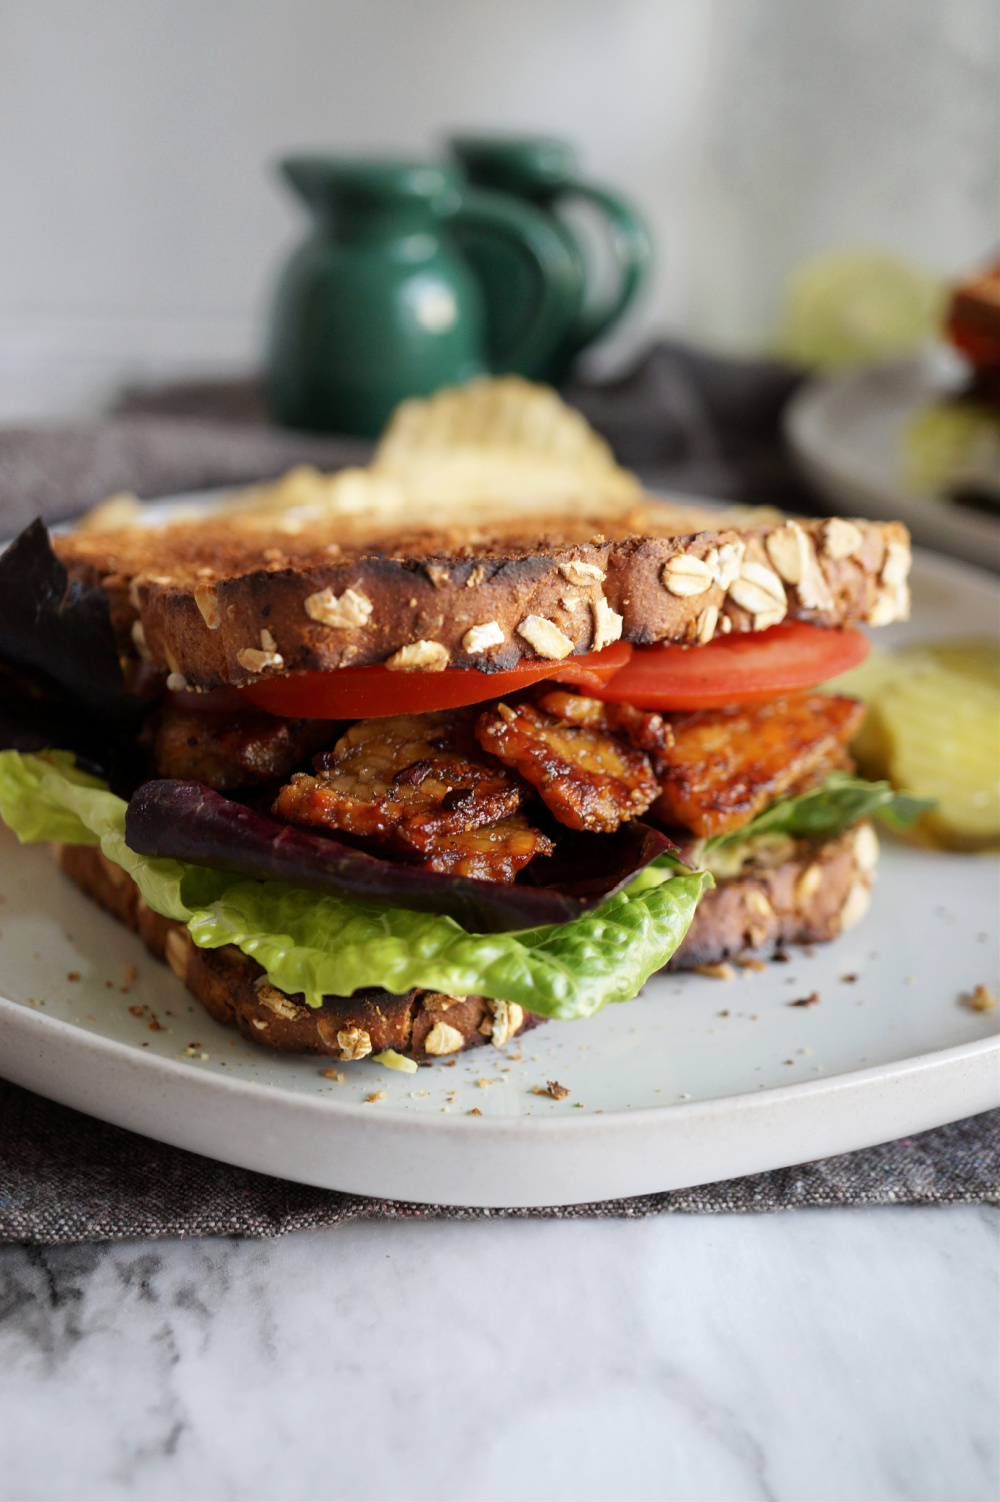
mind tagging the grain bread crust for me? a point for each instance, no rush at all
(815, 896)
(217, 605)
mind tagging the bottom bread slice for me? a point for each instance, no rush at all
(814, 895)
(811, 894)
(422, 1025)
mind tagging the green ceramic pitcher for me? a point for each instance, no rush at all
(543, 171)
(379, 303)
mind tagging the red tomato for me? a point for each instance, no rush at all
(363, 693)
(739, 669)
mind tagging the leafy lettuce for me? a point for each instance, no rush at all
(333, 944)
(826, 811)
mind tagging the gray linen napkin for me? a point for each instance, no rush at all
(60, 471)
(65, 1177)
(695, 422)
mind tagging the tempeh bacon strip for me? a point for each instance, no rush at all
(421, 784)
(585, 776)
(726, 765)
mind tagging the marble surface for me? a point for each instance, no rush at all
(807, 1355)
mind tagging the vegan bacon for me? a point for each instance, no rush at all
(495, 852)
(726, 765)
(644, 729)
(410, 781)
(445, 788)
(585, 776)
(234, 751)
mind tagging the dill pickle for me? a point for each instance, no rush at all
(933, 728)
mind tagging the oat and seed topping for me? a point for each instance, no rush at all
(419, 656)
(545, 637)
(350, 611)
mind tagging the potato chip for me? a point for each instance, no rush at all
(119, 510)
(496, 453)
(498, 444)
(305, 496)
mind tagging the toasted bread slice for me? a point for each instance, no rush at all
(230, 600)
(422, 1025)
(815, 895)
(818, 892)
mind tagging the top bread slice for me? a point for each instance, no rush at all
(234, 598)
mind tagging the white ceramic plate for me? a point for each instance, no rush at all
(696, 1080)
(846, 432)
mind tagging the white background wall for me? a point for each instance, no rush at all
(141, 226)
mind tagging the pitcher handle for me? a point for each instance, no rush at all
(633, 251)
(526, 326)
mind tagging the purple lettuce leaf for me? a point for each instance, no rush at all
(61, 680)
(190, 822)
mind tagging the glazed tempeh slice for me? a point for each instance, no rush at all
(726, 765)
(233, 751)
(409, 780)
(587, 778)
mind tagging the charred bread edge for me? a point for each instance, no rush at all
(824, 890)
(491, 610)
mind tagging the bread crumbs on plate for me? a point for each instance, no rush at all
(375, 1095)
(551, 1088)
(980, 1000)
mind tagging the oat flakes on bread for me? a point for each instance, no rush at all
(221, 605)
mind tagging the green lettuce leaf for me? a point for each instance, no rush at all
(323, 944)
(47, 797)
(826, 811)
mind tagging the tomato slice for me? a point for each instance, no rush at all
(364, 693)
(739, 669)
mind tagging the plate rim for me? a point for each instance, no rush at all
(78, 1065)
(969, 535)
(126, 1053)
(525, 1162)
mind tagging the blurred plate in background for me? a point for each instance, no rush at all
(846, 433)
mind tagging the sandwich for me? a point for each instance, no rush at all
(379, 776)
(952, 446)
